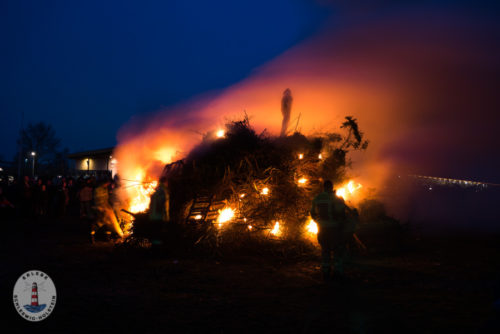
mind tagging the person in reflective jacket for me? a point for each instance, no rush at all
(329, 211)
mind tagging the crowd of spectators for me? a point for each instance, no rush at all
(50, 198)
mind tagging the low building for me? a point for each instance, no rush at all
(7, 171)
(96, 163)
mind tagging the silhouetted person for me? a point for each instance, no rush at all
(62, 199)
(40, 198)
(73, 204)
(26, 198)
(85, 198)
(116, 199)
(106, 216)
(159, 209)
(52, 198)
(329, 212)
(6, 207)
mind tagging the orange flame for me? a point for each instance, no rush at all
(312, 227)
(348, 190)
(276, 229)
(139, 191)
(225, 215)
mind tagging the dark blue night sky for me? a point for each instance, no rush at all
(87, 66)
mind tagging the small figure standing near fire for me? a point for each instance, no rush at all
(329, 211)
(159, 208)
(85, 197)
(106, 216)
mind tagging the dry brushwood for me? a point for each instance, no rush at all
(237, 168)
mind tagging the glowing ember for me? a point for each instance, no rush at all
(301, 156)
(242, 195)
(320, 156)
(225, 215)
(347, 190)
(265, 191)
(312, 227)
(197, 217)
(250, 227)
(302, 181)
(276, 229)
(220, 133)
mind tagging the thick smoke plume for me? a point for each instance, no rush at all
(423, 88)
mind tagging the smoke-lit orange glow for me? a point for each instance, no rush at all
(265, 191)
(164, 155)
(395, 99)
(323, 94)
(348, 190)
(302, 181)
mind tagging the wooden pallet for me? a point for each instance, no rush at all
(204, 209)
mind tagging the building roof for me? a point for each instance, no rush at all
(6, 163)
(103, 152)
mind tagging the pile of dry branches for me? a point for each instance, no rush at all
(264, 179)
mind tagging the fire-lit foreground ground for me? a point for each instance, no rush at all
(438, 286)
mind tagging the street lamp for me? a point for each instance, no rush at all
(33, 153)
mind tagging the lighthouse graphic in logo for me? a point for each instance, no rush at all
(34, 295)
(34, 307)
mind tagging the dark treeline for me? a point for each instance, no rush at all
(39, 152)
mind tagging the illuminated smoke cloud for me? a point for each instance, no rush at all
(420, 85)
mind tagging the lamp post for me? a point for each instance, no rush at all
(33, 153)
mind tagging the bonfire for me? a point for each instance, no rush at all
(238, 182)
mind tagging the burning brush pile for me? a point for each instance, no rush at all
(238, 188)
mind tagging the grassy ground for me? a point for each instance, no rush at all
(441, 284)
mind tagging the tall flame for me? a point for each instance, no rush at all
(139, 201)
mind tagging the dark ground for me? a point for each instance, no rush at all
(441, 284)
